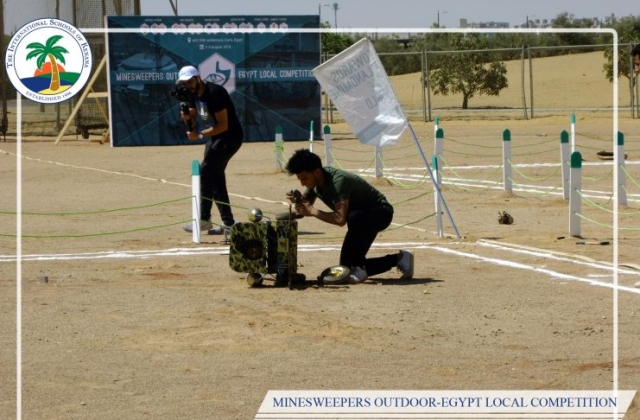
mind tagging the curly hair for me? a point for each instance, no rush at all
(635, 50)
(303, 160)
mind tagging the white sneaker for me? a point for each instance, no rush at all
(357, 275)
(204, 225)
(405, 266)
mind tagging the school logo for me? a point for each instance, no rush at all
(48, 60)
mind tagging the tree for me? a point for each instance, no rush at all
(391, 51)
(567, 20)
(468, 72)
(334, 43)
(628, 29)
(53, 53)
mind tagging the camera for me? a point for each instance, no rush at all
(182, 93)
(185, 96)
(184, 107)
(297, 196)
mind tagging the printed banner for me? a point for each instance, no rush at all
(357, 83)
(570, 405)
(264, 64)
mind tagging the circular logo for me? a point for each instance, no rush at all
(48, 60)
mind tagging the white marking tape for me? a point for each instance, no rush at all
(172, 252)
(594, 264)
(224, 250)
(550, 273)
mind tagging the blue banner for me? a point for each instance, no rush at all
(267, 71)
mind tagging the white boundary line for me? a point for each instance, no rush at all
(19, 256)
(557, 257)
(224, 250)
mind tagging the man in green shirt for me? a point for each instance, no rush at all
(354, 202)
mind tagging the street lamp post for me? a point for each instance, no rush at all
(320, 5)
(335, 15)
(174, 7)
(440, 11)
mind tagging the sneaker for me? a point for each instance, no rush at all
(405, 265)
(204, 225)
(357, 275)
(219, 230)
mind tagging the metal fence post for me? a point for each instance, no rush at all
(524, 96)
(530, 81)
(424, 84)
(427, 84)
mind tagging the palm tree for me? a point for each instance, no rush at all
(52, 52)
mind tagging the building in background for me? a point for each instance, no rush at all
(464, 23)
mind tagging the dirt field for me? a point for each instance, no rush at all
(137, 322)
(556, 82)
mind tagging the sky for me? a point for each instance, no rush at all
(353, 14)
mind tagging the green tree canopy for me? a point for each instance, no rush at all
(468, 72)
(333, 43)
(628, 29)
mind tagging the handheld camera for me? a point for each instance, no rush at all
(297, 196)
(184, 95)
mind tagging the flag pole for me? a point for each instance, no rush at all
(433, 180)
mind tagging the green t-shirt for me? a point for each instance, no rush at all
(341, 185)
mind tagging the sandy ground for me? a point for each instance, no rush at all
(136, 321)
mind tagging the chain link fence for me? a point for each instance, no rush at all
(542, 81)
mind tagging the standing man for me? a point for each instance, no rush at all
(354, 202)
(221, 126)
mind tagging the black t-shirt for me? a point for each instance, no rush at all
(214, 99)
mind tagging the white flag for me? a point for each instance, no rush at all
(357, 84)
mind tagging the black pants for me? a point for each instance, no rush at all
(362, 228)
(213, 182)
